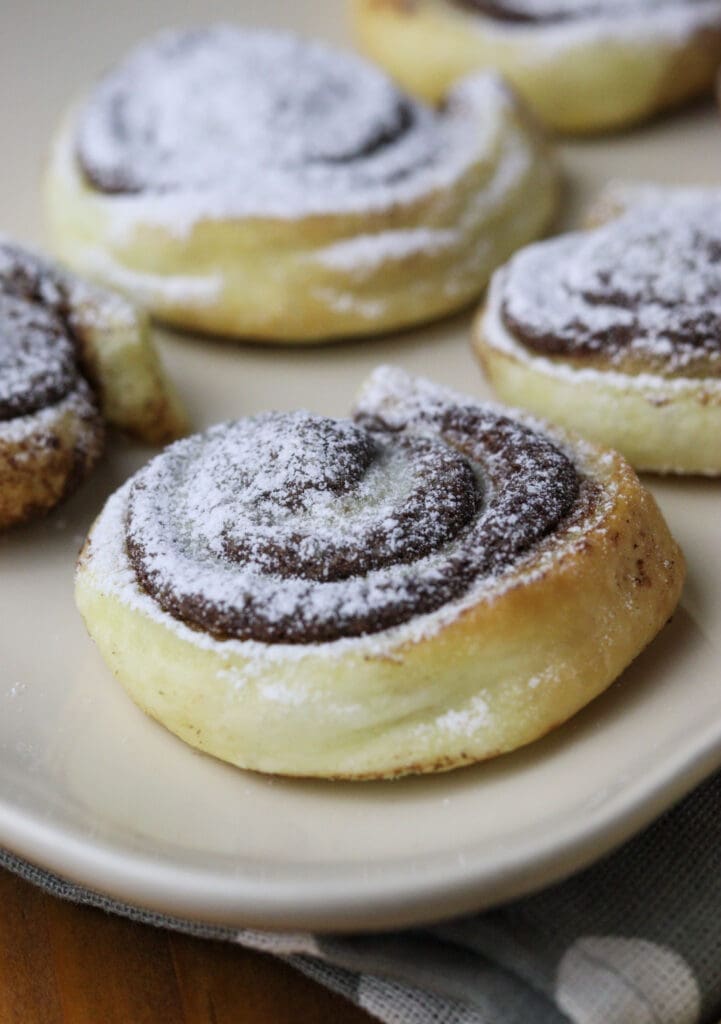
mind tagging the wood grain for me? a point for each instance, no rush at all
(64, 964)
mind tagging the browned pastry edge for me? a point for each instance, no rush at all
(47, 465)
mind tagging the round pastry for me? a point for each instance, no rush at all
(253, 185)
(620, 195)
(428, 585)
(582, 65)
(616, 332)
(71, 356)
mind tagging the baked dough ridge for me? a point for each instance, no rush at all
(328, 273)
(486, 675)
(580, 78)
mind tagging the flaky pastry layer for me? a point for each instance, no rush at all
(579, 79)
(118, 355)
(327, 274)
(45, 455)
(512, 660)
(668, 424)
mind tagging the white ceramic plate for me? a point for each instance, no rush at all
(93, 790)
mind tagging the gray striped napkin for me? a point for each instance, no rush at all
(636, 939)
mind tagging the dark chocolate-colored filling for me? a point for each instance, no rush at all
(38, 364)
(487, 489)
(691, 327)
(510, 10)
(125, 178)
(448, 488)
(506, 10)
(694, 337)
(133, 125)
(399, 121)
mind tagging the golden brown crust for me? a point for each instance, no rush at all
(651, 390)
(659, 426)
(579, 84)
(120, 360)
(45, 464)
(506, 667)
(71, 357)
(356, 259)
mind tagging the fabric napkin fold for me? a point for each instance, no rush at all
(635, 939)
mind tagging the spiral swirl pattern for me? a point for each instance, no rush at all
(219, 109)
(643, 292)
(38, 365)
(292, 528)
(567, 10)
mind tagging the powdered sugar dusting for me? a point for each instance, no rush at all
(286, 596)
(466, 722)
(37, 360)
(42, 424)
(25, 274)
(60, 294)
(219, 123)
(654, 388)
(558, 25)
(41, 386)
(159, 289)
(44, 313)
(367, 252)
(619, 194)
(193, 110)
(643, 291)
(293, 528)
(539, 10)
(37, 356)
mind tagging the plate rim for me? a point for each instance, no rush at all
(388, 900)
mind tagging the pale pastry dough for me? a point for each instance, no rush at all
(72, 356)
(615, 332)
(596, 67)
(45, 454)
(429, 585)
(353, 211)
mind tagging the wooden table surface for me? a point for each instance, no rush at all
(64, 964)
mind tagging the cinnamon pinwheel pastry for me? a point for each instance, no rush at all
(582, 65)
(427, 585)
(616, 332)
(71, 357)
(254, 185)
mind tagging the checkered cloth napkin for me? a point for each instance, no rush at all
(636, 939)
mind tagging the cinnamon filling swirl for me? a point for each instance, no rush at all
(543, 11)
(226, 111)
(292, 528)
(38, 364)
(641, 293)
